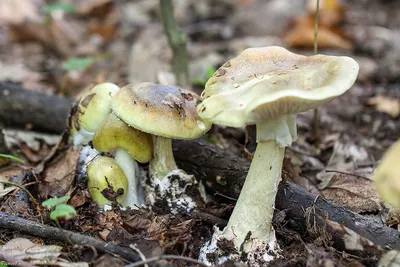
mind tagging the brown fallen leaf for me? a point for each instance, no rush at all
(301, 34)
(331, 12)
(59, 174)
(355, 193)
(16, 12)
(388, 105)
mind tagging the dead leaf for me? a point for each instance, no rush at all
(388, 105)
(352, 240)
(345, 158)
(355, 193)
(331, 12)
(58, 175)
(301, 34)
(16, 12)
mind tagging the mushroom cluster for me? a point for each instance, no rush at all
(137, 123)
(267, 87)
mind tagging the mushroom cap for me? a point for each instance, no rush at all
(160, 110)
(387, 176)
(104, 172)
(114, 133)
(93, 107)
(263, 83)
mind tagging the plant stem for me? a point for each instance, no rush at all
(255, 207)
(163, 160)
(177, 41)
(316, 117)
(127, 164)
(33, 199)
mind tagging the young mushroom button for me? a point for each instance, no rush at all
(129, 144)
(91, 110)
(267, 87)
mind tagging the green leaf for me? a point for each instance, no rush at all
(52, 202)
(3, 264)
(63, 211)
(210, 72)
(66, 7)
(11, 157)
(78, 63)
(207, 75)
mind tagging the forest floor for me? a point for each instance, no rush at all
(63, 51)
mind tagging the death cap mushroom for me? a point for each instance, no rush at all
(161, 110)
(266, 82)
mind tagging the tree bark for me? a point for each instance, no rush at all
(29, 110)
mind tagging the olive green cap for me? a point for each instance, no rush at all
(113, 133)
(161, 110)
(104, 172)
(264, 83)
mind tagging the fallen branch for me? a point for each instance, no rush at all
(49, 232)
(25, 109)
(224, 173)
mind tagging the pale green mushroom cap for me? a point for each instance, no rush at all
(93, 107)
(113, 133)
(264, 83)
(160, 110)
(387, 176)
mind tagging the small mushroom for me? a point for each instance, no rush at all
(105, 177)
(165, 112)
(267, 87)
(387, 176)
(90, 112)
(129, 144)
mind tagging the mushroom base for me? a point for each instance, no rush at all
(219, 250)
(177, 192)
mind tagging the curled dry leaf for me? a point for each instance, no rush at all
(357, 194)
(390, 259)
(59, 174)
(388, 105)
(301, 34)
(351, 239)
(23, 249)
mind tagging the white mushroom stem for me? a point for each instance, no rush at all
(128, 165)
(250, 224)
(163, 160)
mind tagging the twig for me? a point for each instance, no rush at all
(349, 173)
(165, 257)
(33, 199)
(15, 223)
(14, 261)
(177, 41)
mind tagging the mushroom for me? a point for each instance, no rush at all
(104, 173)
(165, 112)
(267, 87)
(387, 176)
(90, 112)
(129, 144)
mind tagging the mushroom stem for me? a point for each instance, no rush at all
(163, 160)
(251, 219)
(129, 166)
